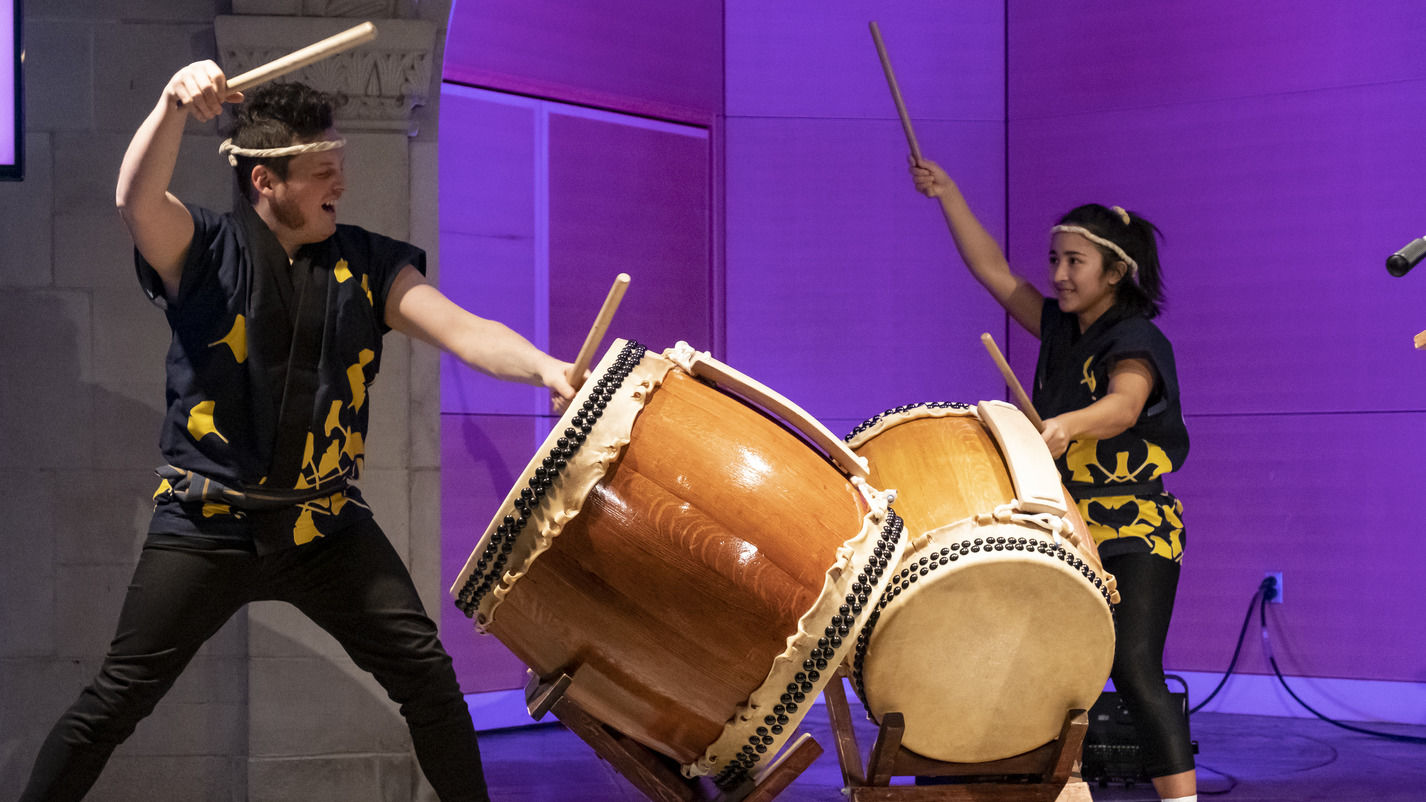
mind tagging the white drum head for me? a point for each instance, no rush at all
(984, 655)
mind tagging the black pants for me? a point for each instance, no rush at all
(1147, 585)
(352, 584)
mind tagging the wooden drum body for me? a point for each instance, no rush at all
(997, 621)
(695, 567)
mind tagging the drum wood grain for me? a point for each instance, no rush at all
(941, 468)
(687, 568)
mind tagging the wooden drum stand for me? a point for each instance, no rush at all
(1047, 774)
(655, 775)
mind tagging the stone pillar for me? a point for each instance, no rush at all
(81, 400)
(318, 727)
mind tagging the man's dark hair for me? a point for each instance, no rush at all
(275, 116)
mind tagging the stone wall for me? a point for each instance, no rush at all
(270, 708)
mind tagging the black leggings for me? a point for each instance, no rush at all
(1147, 584)
(352, 584)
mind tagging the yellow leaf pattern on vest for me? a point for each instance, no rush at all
(200, 422)
(236, 339)
(356, 376)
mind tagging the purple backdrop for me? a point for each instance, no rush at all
(9, 109)
(1278, 147)
(643, 56)
(543, 204)
(1276, 144)
(843, 288)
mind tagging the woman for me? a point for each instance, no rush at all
(1108, 390)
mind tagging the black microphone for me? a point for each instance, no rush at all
(1403, 260)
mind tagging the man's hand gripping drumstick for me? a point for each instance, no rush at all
(208, 89)
(158, 222)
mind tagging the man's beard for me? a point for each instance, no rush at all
(289, 214)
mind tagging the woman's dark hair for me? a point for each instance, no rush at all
(1142, 293)
(275, 116)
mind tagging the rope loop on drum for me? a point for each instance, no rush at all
(1011, 512)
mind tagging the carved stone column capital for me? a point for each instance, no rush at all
(366, 9)
(383, 80)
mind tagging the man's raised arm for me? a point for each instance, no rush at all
(159, 224)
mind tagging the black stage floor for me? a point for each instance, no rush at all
(1241, 758)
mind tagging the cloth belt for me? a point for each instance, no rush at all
(187, 486)
(1083, 490)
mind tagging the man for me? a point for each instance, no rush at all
(277, 315)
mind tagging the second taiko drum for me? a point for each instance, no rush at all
(997, 622)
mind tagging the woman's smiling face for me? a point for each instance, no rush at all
(1083, 286)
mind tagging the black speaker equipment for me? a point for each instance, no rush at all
(1111, 747)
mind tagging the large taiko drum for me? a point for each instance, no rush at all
(694, 565)
(997, 621)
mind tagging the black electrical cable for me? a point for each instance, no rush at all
(1266, 592)
(1263, 588)
(1272, 661)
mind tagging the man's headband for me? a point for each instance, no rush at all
(1098, 240)
(233, 151)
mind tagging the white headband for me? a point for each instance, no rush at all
(233, 151)
(1098, 240)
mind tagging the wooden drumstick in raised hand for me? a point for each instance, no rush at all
(901, 107)
(1015, 388)
(596, 332)
(296, 60)
(895, 92)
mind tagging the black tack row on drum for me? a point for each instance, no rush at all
(803, 683)
(879, 417)
(491, 565)
(949, 554)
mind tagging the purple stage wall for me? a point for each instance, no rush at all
(1278, 146)
(843, 288)
(641, 56)
(543, 203)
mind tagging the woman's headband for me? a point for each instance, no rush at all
(1098, 240)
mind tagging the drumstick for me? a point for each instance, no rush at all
(1020, 397)
(296, 60)
(901, 110)
(596, 332)
(895, 92)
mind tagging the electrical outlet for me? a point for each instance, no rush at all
(1276, 576)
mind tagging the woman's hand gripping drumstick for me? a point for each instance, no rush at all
(895, 93)
(580, 370)
(916, 160)
(1054, 431)
(1019, 392)
(209, 99)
